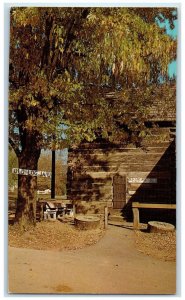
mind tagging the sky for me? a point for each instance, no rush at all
(172, 68)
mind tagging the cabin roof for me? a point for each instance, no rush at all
(161, 105)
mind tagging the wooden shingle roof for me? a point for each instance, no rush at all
(160, 105)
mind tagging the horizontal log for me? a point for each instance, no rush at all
(152, 192)
(107, 177)
(135, 167)
(99, 145)
(100, 168)
(89, 193)
(150, 198)
(89, 181)
(148, 194)
(153, 205)
(153, 174)
(105, 165)
(104, 145)
(100, 189)
(100, 175)
(105, 151)
(121, 161)
(156, 186)
(105, 183)
(153, 149)
(84, 197)
(85, 186)
(145, 168)
(153, 143)
(159, 130)
(92, 187)
(117, 155)
(123, 168)
(98, 179)
(141, 192)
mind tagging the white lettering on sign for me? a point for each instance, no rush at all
(31, 172)
(142, 180)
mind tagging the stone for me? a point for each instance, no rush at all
(86, 222)
(160, 227)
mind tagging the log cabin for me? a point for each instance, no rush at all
(120, 173)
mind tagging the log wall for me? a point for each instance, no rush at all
(150, 170)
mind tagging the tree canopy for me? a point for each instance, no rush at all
(64, 60)
(76, 73)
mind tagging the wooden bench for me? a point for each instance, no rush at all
(137, 205)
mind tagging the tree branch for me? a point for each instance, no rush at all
(15, 147)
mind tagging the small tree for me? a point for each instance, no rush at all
(60, 173)
(12, 163)
(62, 63)
(44, 164)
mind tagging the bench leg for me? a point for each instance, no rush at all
(135, 211)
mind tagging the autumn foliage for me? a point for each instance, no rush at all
(64, 62)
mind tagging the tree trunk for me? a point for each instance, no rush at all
(27, 189)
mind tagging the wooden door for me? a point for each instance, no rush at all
(119, 191)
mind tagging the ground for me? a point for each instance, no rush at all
(116, 261)
(158, 245)
(53, 235)
(58, 236)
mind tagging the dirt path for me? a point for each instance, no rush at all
(112, 266)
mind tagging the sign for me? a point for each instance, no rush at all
(31, 172)
(142, 180)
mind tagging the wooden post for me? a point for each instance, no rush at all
(74, 210)
(137, 205)
(135, 211)
(106, 217)
(53, 176)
